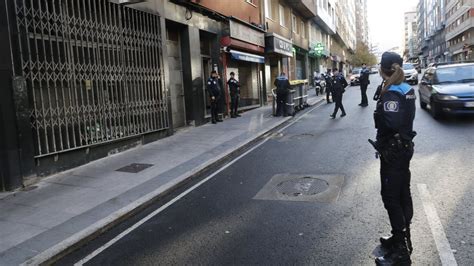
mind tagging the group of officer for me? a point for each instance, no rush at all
(394, 116)
(215, 93)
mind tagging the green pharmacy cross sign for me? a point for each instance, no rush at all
(319, 48)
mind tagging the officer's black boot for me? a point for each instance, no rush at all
(387, 242)
(397, 255)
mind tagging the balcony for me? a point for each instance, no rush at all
(324, 21)
(306, 8)
(466, 25)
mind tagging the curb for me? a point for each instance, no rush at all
(78, 239)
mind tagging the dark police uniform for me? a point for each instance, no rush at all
(394, 117)
(328, 79)
(364, 83)
(339, 83)
(214, 90)
(234, 88)
(283, 89)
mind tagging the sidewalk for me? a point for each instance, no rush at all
(66, 208)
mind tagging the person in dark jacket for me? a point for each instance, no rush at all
(394, 117)
(282, 89)
(364, 83)
(328, 79)
(214, 91)
(234, 89)
(339, 83)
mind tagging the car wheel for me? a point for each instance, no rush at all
(422, 104)
(434, 110)
(416, 82)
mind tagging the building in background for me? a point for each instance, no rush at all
(362, 24)
(345, 37)
(460, 29)
(410, 36)
(431, 37)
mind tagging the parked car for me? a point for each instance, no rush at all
(354, 78)
(374, 70)
(411, 74)
(448, 88)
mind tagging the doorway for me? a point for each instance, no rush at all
(206, 70)
(178, 106)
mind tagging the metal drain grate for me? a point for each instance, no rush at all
(305, 186)
(134, 168)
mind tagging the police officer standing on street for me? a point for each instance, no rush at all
(283, 87)
(394, 117)
(364, 83)
(234, 88)
(339, 83)
(214, 90)
(328, 79)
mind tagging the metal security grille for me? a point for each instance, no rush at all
(93, 71)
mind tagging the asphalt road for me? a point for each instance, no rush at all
(226, 221)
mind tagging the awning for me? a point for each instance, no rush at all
(247, 57)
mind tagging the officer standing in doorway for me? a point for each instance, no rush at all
(364, 83)
(283, 87)
(214, 90)
(234, 88)
(394, 117)
(339, 83)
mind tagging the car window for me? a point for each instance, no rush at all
(455, 74)
(356, 71)
(428, 75)
(408, 66)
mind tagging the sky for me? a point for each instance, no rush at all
(385, 19)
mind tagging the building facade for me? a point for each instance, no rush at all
(410, 35)
(432, 39)
(460, 29)
(362, 24)
(135, 71)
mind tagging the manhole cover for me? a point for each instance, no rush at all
(305, 186)
(134, 168)
(324, 188)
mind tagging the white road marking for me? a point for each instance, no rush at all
(444, 249)
(162, 208)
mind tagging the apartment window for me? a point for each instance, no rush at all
(303, 29)
(281, 12)
(268, 9)
(294, 24)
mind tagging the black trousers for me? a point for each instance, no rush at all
(396, 196)
(337, 97)
(281, 104)
(215, 109)
(363, 94)
(234, 104)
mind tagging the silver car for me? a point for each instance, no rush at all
(411, 74)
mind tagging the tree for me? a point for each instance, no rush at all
(362, 55)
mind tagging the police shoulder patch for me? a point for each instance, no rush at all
(391, 106)
(209, 82)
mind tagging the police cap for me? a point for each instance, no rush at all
(390, 58)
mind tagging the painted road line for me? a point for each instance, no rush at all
(444, 249)
(162, 208)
